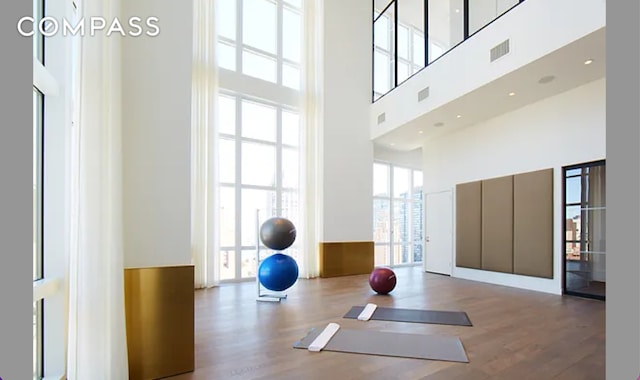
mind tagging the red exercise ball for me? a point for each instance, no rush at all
(382, 280)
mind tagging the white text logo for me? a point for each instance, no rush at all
(49, 26)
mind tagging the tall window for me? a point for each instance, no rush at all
(258, 176)
(261, 39)
(398, 215)
(585, 229)
(259, 42)
(38, 156)
(53, 69)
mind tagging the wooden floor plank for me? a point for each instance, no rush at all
(516, 334)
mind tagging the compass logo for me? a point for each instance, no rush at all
(49, 26)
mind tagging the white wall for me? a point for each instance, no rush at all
(412, 159)
(568, 128)
(347, 152)
(156, 108)
(535, 29)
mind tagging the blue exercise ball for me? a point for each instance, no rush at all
(278, 272)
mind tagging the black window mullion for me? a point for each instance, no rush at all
(395, 44)
(41, 332)
(41, 174)
(39, 110)
(373, 52)
(426, 33)
(465, 9)
(382, 11)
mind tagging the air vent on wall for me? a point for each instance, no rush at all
(499, 50)
(381, 118)
(423, 94)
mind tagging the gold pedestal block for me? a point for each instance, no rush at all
(346, 258)
(159, 304)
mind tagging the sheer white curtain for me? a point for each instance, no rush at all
(311, 136)
(204, 147)
(97, 328)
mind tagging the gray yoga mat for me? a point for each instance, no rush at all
(416, 346)
(456, 318)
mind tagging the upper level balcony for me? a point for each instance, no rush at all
(480, 59)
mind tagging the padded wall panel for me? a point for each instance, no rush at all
(533, 224)
(469, 225)
(497, 224)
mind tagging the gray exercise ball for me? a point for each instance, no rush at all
(278, 233)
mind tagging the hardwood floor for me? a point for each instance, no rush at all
(516, 334)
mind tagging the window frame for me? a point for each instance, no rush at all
(583, 175)
(393, 74)
(55, 74)
(391, 244)
(239, 45)
(428, 43)
(238, 186)
(236, 84)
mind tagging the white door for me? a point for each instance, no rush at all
(439, 232)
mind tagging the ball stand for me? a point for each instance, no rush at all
(262, 295)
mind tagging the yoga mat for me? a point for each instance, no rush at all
(456, 318)
(370, 342)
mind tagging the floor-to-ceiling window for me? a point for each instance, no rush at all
(585, 229)
(258, 176)
(38, 158)
(54, 79)
(398, 215)
(259, 125)
(38, 155)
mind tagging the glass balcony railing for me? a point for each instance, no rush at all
(409, 35)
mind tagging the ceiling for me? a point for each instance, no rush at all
(566, 65)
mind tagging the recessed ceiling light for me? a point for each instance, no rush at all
(459, 116)
(546, 79)
(392, 144)
(439, 124)
(512, 94)
(457, 10)
(420, 132)
(588, 61)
